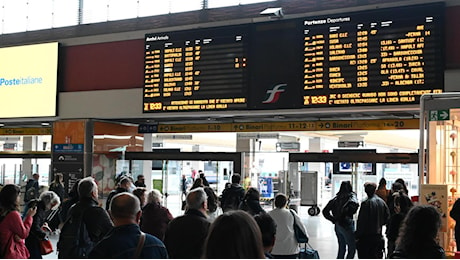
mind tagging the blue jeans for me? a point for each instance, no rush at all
(346, 237)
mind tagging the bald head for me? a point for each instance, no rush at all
(124, 206)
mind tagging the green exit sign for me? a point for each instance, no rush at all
(439, 115)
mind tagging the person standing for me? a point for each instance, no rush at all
(47, 201)
(417, 236)
(124, 185)
(58, 186)
(402, 205)
(32, 188)
(339, 210)
(185, 235)
(251, 202)
(123, 240)
(382, 190)
(373, 214)
(87, 212)
(155, 217)
(286, 245)
(233, 195)
(13, 230)
(203, 178)
(140, 182)
(234, 235)
(268, 229)
(183, 187)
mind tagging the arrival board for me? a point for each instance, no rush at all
(377, 57)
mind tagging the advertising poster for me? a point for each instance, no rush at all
(436, 195)
(266, 187)
(28, 80)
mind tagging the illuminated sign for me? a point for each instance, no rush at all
(205, 70)
(291, 126)
(376, 57)
(26, 131)
(28, 80)
(379, 57)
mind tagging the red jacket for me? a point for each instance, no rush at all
(12, 225)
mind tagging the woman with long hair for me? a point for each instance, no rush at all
(402, 205)
(234, 235)
(339, 211)
(13, 230)
(417, 235)
(251, 202)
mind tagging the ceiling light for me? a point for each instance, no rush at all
(2, 125)
(45, 124)
(276, 12)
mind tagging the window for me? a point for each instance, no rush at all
(122, 9)
(150, 8)
(65, 13)
(40, 15)
(178, 6)
(95, 11)
(14, 16)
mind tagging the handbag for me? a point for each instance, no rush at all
(46, 247)
(300, 236)
(307, 252)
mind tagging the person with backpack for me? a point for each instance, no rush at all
(32, 188)
(87, 223)
(251, 202)
(339, 210)
(126, 240)
(233, 195)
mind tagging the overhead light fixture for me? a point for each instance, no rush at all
(2, 125)
(45, 124)
(273, 12)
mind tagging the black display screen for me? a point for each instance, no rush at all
(196, 70)
(378, 57)
(381, 57)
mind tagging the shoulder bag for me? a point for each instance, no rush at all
(300, 236)
(140, 245)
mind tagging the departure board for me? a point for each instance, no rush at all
(378, 57)
(199, 71)
(390, 56)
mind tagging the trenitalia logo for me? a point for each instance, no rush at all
(274, 94)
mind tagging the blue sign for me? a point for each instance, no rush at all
(266, 187)
(68, 148)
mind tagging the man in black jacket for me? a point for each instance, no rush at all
(123, 186)
(95, 220)
(373, 214)
(185, 235)
(233, 195)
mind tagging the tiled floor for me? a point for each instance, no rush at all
(320, 230)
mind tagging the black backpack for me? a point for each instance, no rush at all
(232, 199)
(31, 191)
(74, 241)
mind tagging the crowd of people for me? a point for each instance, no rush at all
(411, 231)
(135, 224)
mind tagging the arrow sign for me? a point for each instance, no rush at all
(439, 115)
(444, 114)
